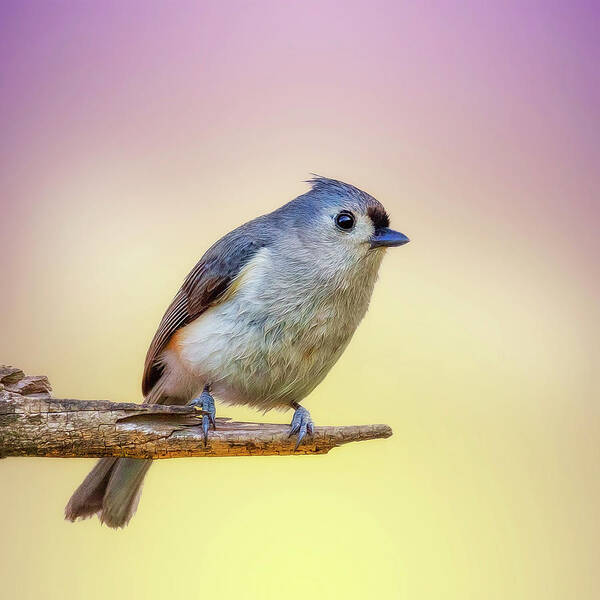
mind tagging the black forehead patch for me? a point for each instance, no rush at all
(378, 216)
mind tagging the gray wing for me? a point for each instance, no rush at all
(204, 287)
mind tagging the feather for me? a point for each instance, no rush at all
(205, 286)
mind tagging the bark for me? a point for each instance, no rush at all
(32, 423)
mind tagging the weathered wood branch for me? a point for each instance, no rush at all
(32, 423)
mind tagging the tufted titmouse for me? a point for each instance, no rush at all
(260, 320)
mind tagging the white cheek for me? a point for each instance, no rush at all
(364, 229)
(342, 249)
(361, 235)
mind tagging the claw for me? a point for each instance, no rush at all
(205, 422)
(301, 435)
(301, 424)
(206, 403)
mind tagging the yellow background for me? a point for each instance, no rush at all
(135, 136)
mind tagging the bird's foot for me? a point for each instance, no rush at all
(206, 403)
(301, 424)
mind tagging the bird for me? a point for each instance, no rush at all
(259, 321)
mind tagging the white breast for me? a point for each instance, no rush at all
(274, 338)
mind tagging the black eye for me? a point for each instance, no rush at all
(345, 220)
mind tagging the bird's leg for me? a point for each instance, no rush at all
(206, 403)
(301, 423)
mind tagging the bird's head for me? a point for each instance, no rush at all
(339, 222)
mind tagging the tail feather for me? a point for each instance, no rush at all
(87, 499)
(113, 487)
(123, 491)
(111, 490)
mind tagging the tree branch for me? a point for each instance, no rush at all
(32, 423)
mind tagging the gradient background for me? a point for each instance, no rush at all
(134, 134)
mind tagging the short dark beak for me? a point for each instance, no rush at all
(386, 237)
